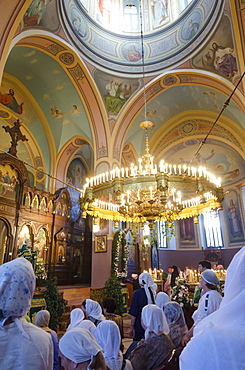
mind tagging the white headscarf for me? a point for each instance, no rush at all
(76, 317)
(210, 277)
(79, 345)
(108, 337)
(154, 319)
(161, 299)
(145, 279)
(89, 325)
(17, 285)
(222, 333)
(94, 310)
(42, 319)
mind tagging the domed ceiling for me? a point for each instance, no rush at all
(163, 46)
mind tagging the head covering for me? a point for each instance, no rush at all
(108, 337)
(42, 319)
(145, 279)
(76, 317)
(94, 310)
(79, 345)
(17, 285)
(161, 299)
(154, 320)
(89, 325)
(176, 321)
(221, 333)
(210, 277)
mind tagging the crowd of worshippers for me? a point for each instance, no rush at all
(93, 339)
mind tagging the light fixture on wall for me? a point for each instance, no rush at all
(151, 192)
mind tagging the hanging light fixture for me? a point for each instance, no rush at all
(151, 192)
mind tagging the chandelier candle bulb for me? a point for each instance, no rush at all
(170, 169)
(126, 171)
(175, 169)
(150, 188)
(179, 167)
(161, 166)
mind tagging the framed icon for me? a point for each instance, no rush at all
(100, 243)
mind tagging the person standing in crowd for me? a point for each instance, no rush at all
(92, 311)
(79, 350)
(76, 318)
(176, 322)
(209, 302)
(145, 295)
(161, 299)
(174, 276)
(109, 308)
(108, 337)
(219, 339)
(23, 345)
(152, 352)
(202, 266)
(41, 320)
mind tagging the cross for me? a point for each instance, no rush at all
(16, 136)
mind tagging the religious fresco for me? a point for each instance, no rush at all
(75, 176)
(162, 49)
(232, 213)
(219, 55)
(115, 91)
(41, 13)
(9, 100)
(218, 158)
(9, 180)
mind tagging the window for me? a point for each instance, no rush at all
(212, 230)
(131, 16)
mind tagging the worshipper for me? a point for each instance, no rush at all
(23, 345)
(92, 311)
(176, 322)
(174, 276)
(167, 284)
(157, 347)
(41, 320)
(202, 266)
(135, 281)
(219, 339)
(143, 296)
(89, 325)
(109, 308)
(209, 302)
(76, 318)
(79, 350)
(161, 299)
(108, 337)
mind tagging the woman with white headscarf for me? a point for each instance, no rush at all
(79, 350)
(92, 311)
(176, 322)
(108, 337)
(209, 302)
(161, 299)
(141, 297)
(152, 352)
(76, 318)
(23, 345)
(219, 339)
(41, 320)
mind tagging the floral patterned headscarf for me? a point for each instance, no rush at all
(17, 285)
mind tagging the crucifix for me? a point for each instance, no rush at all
(16, 136)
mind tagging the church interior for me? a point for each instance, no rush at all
(88, 89)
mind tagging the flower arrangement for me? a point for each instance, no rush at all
(180, 294)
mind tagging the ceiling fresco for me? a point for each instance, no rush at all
(162, 48)
(54, 92)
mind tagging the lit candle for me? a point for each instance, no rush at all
(128, 192)
(161, 165)
(150, 188)
(126, 171)
(138, 194)
(179, 167)
(175, 169)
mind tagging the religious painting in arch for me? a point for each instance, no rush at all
(233, 217)
(41, 243)
(4, 239)
(9, 181)
(75, 176)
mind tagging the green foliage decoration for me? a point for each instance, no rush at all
(113, 290)
(56, 304)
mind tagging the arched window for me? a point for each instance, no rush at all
(131, 16)
(212, 230)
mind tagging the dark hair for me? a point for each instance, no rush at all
(206, 264)
(110, 304)
(84, 304)
(211, 286)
